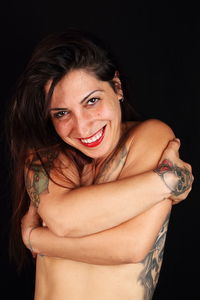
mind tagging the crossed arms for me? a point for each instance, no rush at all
(115, 222)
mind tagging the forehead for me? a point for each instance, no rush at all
(76, 84)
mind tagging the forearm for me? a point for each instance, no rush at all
(95, 208)
(129, 242)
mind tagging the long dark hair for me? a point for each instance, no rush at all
(29, 124)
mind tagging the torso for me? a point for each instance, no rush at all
(62, 279)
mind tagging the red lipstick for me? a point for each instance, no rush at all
(95, 143)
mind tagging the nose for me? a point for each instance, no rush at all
(82, 125)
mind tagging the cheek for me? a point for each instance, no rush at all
(110, 111)
(106, 114)
(114, 112)
(62, 129)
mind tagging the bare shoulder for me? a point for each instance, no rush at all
(150, 126)
(52, 163)
(147, 140)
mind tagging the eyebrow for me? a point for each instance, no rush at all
(62, 108)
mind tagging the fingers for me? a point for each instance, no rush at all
(171, 164)
(176, 200)
(174, 145)
(189, 167)
(171, 151)
(177, 140)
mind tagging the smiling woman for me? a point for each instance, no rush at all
(93, 186)
(86, 113)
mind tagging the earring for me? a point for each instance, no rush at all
(121, 100)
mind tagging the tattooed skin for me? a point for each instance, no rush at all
(110, 170)
(148, 278)
(111, 166)
(36, 176)
(180, 181)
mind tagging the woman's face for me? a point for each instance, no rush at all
(86, 113)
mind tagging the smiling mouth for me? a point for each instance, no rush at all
(95, 139)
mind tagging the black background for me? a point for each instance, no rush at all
(159, 46)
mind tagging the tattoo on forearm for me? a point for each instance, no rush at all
(37, 177)
(180, 181)
(148, 277)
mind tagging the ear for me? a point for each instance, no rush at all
(117, 84)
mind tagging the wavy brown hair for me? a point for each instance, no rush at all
(29, 124)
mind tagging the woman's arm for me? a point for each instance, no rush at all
(129, 242)
(91, 209)
(106, 205)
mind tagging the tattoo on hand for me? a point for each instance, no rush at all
(180, 181)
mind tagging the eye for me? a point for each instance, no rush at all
(92, 101)
(60, 114)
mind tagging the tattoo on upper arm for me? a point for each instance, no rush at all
(37, 178)
(183, 176)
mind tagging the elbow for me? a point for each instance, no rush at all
(66, 223)
(56, 226)
(134, 253)
(133, 258)
(63, 229)
(138, 257)
(62, 223)
(71, 229)
(59, 230)
(58, 223)
(128, 259)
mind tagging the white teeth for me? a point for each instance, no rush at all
(93, 139)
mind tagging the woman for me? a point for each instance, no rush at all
(102, 184)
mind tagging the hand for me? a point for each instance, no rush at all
(176, 174)
(29, 221)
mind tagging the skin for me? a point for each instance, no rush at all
(81, 106)
(85, 112)
(106, 256)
